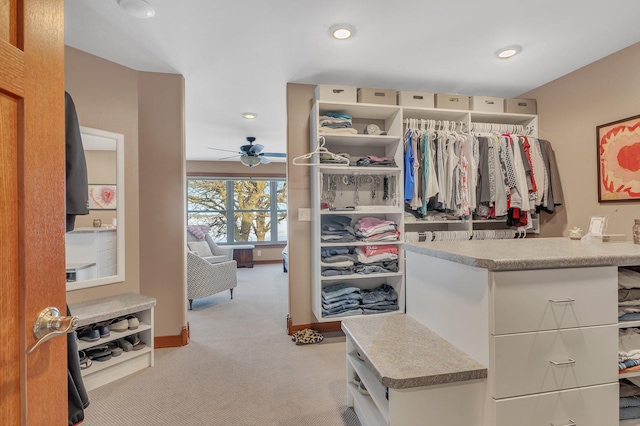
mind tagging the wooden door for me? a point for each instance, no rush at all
(32, 225)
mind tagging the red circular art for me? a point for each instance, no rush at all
(620, 162)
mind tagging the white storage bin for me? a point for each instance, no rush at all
(416, 99)
(520, 106)
(369, 95)
(452, 101)
(332, 92)
(486, 104)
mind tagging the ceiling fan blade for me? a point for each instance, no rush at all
(264, 160)
(274, 154)
(220, 149)
(256, 148)
(226, 158)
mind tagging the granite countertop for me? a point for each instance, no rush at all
(531, 253)
(403, 353)
(97, 310)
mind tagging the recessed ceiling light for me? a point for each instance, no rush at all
(137, 8)
(249, 115)
(508, 52)
(342, 32)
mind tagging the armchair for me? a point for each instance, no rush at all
(219, 254)
(206, 279)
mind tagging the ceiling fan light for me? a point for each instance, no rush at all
(250, 160)
(137, 8)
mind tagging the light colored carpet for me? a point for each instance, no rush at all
(240, 368)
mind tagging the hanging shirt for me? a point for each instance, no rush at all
(408, 168)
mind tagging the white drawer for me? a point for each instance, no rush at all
(106, 258)
(523, 363)
(551, 299)
(106, 240)
(591, 406)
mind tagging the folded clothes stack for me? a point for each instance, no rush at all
(372, 229)
(334, 122)
(337, 229)
(379, 300)
(629, 399)
(628, 294)
(337, 261)
(377, 259)
(374, 161)
(340, 300)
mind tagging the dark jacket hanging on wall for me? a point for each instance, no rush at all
(77, 198)
(76, 173)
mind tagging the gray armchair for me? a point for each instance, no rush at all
(205, 279)
(219, 254)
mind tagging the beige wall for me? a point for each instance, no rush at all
(162, 195)
(569, 110)
(106, 97)
(299, 102)
(148, 109)
(232, 168)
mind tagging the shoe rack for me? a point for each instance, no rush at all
(100, 311)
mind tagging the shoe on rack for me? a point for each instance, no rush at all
(88, 334)
(103, 330)
(133, 321)
(363, 390)
(114, 348)
(125, 345)
(134, 339)
(85, 362)
(356, 378)
(119, 324)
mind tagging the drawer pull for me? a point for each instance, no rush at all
(567, 300)
(567, 362)
(571, 423)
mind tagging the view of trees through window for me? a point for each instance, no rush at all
(239, 210)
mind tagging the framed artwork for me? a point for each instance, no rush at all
(102, 197)
(619, 160)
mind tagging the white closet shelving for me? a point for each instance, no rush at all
(372, 191)
(389, 118)
(468, 117)
(629, 324)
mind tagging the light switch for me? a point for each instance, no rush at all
(304, 214)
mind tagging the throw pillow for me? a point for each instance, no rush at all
(201, 248)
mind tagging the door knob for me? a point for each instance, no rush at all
(50, 324)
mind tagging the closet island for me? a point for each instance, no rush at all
(540, 314)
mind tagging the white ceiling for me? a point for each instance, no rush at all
(238, 55)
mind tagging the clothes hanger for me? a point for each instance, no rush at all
(320, 149)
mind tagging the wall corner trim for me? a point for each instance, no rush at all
(182, 339)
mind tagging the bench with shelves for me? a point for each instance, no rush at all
(98, 311)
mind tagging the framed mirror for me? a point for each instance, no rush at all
(95, 248)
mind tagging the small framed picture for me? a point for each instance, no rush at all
(597, 225)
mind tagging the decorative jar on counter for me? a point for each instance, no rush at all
(636, 232)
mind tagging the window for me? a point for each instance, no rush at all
(239, 210)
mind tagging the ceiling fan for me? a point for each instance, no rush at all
(251, 155)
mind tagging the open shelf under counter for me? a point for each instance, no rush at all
(630, 422)
(629, 374)
(373, 385)
(628, 324)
